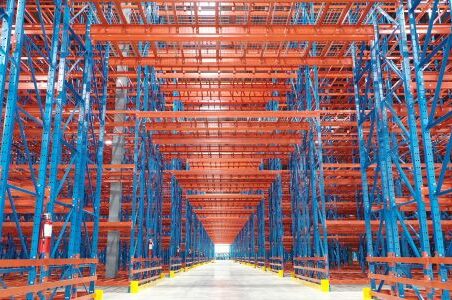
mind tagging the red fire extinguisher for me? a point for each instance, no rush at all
(45, 235)
(151, 246)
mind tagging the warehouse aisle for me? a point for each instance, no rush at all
(231, 281)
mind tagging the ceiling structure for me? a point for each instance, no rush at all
(224, 61)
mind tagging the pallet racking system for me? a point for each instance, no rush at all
(313, 136)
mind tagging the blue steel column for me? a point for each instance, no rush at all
(99, 162)
(306, 164)
(136, 236)
(11, 106)
(261, 254)
(188, 231)
(295, 184)
(5, 47)
(421, 58)
(78, 197)
(364, 162)
(146, 194)
(396, 184)
(275, 213)
(176, 201)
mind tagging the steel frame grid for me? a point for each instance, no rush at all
(337, 98)
(309, 239)
(390, 187)
(146, 184)
(40, 165)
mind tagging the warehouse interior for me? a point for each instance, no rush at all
(213, 149)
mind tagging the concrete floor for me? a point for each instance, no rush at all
(231, 281)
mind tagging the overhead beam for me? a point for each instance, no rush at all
(231, 172)
(235, 114)
(224, 196)
(163, 2)
(245, 62)
(230, 33)
(177, 140)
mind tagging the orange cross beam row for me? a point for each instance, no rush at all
(225, 160)
(213, 219)
(196, 87)
(223, 155)
(219, 180)
(225, 166)
(226, 141)
(240, 63)
(224, 75)
(211, 205)
(223, 223)
(226, 224)
(268, 2)
(243, 126)
(218, 186)
(196, 75)
(230, 172)
(234, 114)
(221, 205)
(231, 33)
(220, 214)
(197, 184)
(223, 196)
(258, 151)
(219, 98)
(209, 53)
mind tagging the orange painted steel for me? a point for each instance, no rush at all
(231, 63)
(265, 2)
(225, 71)
(229, 33)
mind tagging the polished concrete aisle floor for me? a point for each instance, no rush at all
(231, 281)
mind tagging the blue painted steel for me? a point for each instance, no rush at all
(261, 252)
(308, 199)
(147, 181)
(427, 120)
(5, 46)
(11, 106)
(380, 144)
(99, 162)
(175, 217)
(73, 239)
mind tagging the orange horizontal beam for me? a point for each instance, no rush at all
(218, 188)
(223, 160)
(248, 127)
(224, 75)
(242, 172)
(242, 75)
(224, 196)
(266, 155)
(231, 33)
(222, 214)
(226, 141)
(10, 227)
(232, 62)
(234, 114)
(211, 219)
(241, 68)
(220, 206)
(193, 75)
(261, 2)
(239, 88)
(221, 97)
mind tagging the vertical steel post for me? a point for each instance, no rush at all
(5, 47)
(11, 106)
